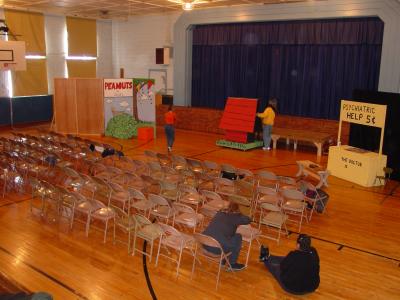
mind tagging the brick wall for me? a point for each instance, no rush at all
(207, 120)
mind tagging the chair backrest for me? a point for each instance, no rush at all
(169, 230)
(267, 175)
(210, 195)
(211, 165)
(270, 207)
(168, 186)
(97, 168)
(79, 197)
(219, 183)
(87, 179)
(154, 166)
(114, 170)
(206, 240)
(163, 159)
(99, 181)
(71, 173)
(98, 203)
(169, 170)
(224, 181)
(141, 220)
(185, 188)
(179, 162)
(291, 194)
(267, 178)
(246, 173)
(273, 199)
(180, 207)
(243, 202)
(195, 165)
(136, 194)
(287, 180)
(244, 188)
(228, 168)
(116, 187)
(151, 154)
(102, 188)
(121, 217)
(265, 190)
(158, 200)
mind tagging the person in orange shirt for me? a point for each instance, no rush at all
(170, 120)
(268, 118)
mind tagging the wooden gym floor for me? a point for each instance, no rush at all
(358, 240)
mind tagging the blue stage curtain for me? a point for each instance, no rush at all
(308, 65)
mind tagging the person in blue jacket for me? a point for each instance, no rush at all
(223, 228)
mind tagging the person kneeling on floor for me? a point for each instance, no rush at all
(223, 228)
(298, 272)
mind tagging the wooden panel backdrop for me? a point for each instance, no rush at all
(79, 106)
(90, 104)
(65, 106)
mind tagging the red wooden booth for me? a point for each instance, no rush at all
(238, 119)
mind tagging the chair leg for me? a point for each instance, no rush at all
(87, 225)
(72, 217)
(129, 241)
(114, 236)
(134, 244)
(248, 252)
(105, 233)
(151, 251)
(194, 262)
(158, 252)
(219, 271)
(279, 235)
(179, 262)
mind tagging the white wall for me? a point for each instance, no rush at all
(104, 49)
(54, 28)
(134, 43)
(4, 88)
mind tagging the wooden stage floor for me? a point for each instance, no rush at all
(358, 240)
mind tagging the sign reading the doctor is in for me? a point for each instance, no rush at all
(363, 113)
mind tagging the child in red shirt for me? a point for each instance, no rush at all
(170, 120)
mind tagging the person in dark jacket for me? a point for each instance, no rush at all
(298, 272)
(223, 228)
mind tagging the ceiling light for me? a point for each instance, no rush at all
(187, 6)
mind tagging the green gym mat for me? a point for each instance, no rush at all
(240, 146)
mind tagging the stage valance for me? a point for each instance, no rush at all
(352, 31)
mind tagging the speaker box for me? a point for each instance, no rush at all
(162, 56)
(167, 99)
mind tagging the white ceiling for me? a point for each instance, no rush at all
(121, 9)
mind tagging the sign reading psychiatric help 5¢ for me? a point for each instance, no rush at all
(363, 113)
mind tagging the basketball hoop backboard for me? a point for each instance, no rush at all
(12, 55)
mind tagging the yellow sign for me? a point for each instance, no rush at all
(363, 113)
